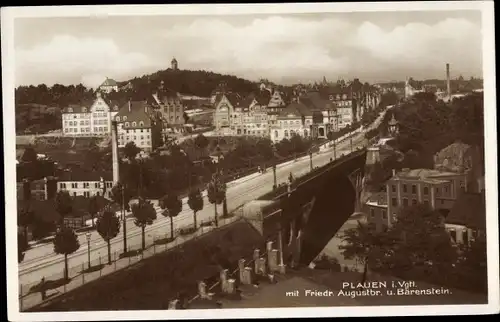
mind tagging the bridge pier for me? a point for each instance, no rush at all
(356, 179)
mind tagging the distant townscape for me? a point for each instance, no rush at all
(226, 188)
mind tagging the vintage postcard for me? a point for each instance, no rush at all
(231, 161)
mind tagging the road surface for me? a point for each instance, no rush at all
(41, 261)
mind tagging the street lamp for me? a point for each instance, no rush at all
(311, 159)
(124, 219)
(88, 247)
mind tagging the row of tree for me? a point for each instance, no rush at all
(108, 225)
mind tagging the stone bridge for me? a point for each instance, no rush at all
(305, 215)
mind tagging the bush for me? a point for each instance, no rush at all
(187, 231)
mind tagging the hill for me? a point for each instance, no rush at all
(190, 82)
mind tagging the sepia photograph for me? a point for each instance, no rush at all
(267, 161)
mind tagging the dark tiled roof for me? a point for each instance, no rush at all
(316, 100)
(233, 98)
(109, 82)
(469, 210)
(83, 107)
(296, 109)
(136, 111)
(82, 175)
(263, 97)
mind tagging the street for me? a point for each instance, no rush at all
(42, 261)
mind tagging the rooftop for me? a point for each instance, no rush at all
(428, 175)
(83, 175)
(135, 111)
(109, 82)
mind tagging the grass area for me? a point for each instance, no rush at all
(153, 282)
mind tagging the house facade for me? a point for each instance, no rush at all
(140, 123)
(225, 114)
(290, 122)
(437, 189)
(169, 103)
(86, 183)
(89, 118)
(467, 219)
(108, 86)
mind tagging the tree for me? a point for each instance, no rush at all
(108, 227)
(216, 193)
(359, 242)
(201, 142)
(131, 150)
(172, 206)
(144, 214)
(29, 154)
(473, 265)
(418, 245)
(195, 202)
(65, 243)
(22, 246)
(93, 208)
(121, 195)
(64, 204)
(25, 218)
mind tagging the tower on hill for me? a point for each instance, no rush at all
(174, 64)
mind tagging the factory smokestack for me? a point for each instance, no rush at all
(114, 152)
(448, 87)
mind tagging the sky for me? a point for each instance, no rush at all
(284, 48)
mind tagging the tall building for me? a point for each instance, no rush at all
(138, 122)
(91, 118)
(225, 104)
(249, 117)
(169, 104)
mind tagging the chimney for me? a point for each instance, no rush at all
(145, 108)
(448, 87)
(114, 151)
(129, 106)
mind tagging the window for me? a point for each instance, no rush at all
(372, 213)
(405, 190)
(414, 201)
(453, 235)
(276, 134)
(96, 185)
(437, 192)
(405, 202)
(124, 118)
(85, 184)
(394, 202)
(62, 186)
(86, 194)
(286, 133)
(465, 237)
(84, 110)
(74, 185)
(426, 190)
(118, 119)
(134, 124)
(426, 202)
(126, 124)
(98, 193)
(414, 189)
(393, 188)
(70, 110)
(74, 194)
(384, 214)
